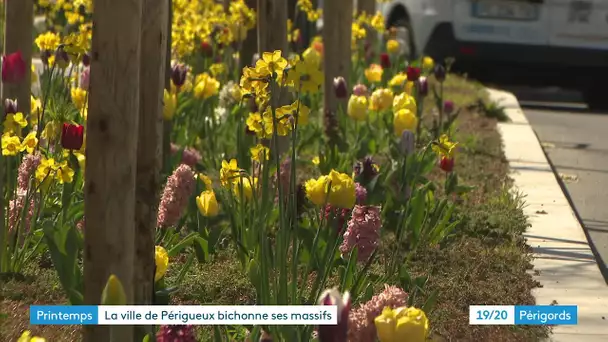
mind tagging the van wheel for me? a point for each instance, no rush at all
(405, 37)
(596, 97)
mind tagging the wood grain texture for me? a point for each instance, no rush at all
(149, 149)
(112, 129)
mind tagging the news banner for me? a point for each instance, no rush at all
(273, 315)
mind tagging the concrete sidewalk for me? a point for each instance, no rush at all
(564, 263)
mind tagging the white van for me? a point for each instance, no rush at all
(551, 42)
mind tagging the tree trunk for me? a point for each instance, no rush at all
(112, 128)
(336, 58)
(18, 27)
(149, 150)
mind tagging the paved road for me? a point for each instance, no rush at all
(576, 141)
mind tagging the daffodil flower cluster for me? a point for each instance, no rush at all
(312, 14)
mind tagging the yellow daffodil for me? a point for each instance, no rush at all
(45, 169)
(316, 160)
(305, 77)
(79, 97)
(373, 74)
(271, 63)
(217, 69)
(259, 152)
(13, 123)
(161, 259)
(381, 99)
(11, 144)
(48, 41)
(357, 107)
(283, 125)
(29, 142)
(444, 147)
(404, 119)
(65, 174)
(207, 203)
(35, 109)
(228, 171)
(377, 22)
(302, 111)
(402, 325)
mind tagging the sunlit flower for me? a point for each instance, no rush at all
(207, 203)
(428, 63)
(362, 232)
(206, 86)
(161, 259)
(180, 185)
(260, 152)
(11, 144)
(403, 324)
(13, 123)
(398, 81)
(374, 73)
(48, 41)
(79, 97)
(381, 99)
(404, 101)
(404, 119)
(392, 46)
(444, 147)
(271, 63)
(228, 172)
(357, 107)
(169, 105)
(29, 142)
(246, 184)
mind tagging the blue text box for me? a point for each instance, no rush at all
(546, 315)
(63, 314)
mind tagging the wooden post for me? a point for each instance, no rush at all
(250, 44)
(367, 6)
(167, 125)
(149, 149)
(18, 32)
(112, 128)
(272, 26)
(337, 32)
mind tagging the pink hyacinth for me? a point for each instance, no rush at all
(336, 217)
(80, 225)
(26, 169)
(361, 327)
(362, 232)
(16, 208)
(176, 333)
(360, 193)
(180, 185)
(190, 156)
(85, 76)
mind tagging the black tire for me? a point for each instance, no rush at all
(404, 24)
(596, 97)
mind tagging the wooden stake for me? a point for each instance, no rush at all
(18, 32)
(149, 149)
(112, 127)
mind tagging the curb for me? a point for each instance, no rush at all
(564, 263)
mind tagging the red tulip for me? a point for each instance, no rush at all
(207, 48)
(13, 68)
(72, 136)
(446, 164)
(413, 73)
(385, 60)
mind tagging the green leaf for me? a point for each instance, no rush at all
(429, 304)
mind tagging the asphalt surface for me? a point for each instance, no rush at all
(576, 142)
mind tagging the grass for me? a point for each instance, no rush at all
(485, 263)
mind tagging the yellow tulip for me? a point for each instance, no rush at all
(404, 119)
(207, 203)
(161, 259)
(113, 293)
(374, 73)
(170, 105)
(402, 325)
(404, 101)
(381, 99)
(392, 46)
(357, 107)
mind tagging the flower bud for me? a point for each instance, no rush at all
(413, 73)
(113, 293)
(439, 73)
(385, 60)
(10, 106)
(446, 164)
(340, 87)
(448, 107)
(206, 48)
(178, 74)
(86, 59)
(13, 68)
(335, 333)
(422, 86)
(360, 90)
(407, 142)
